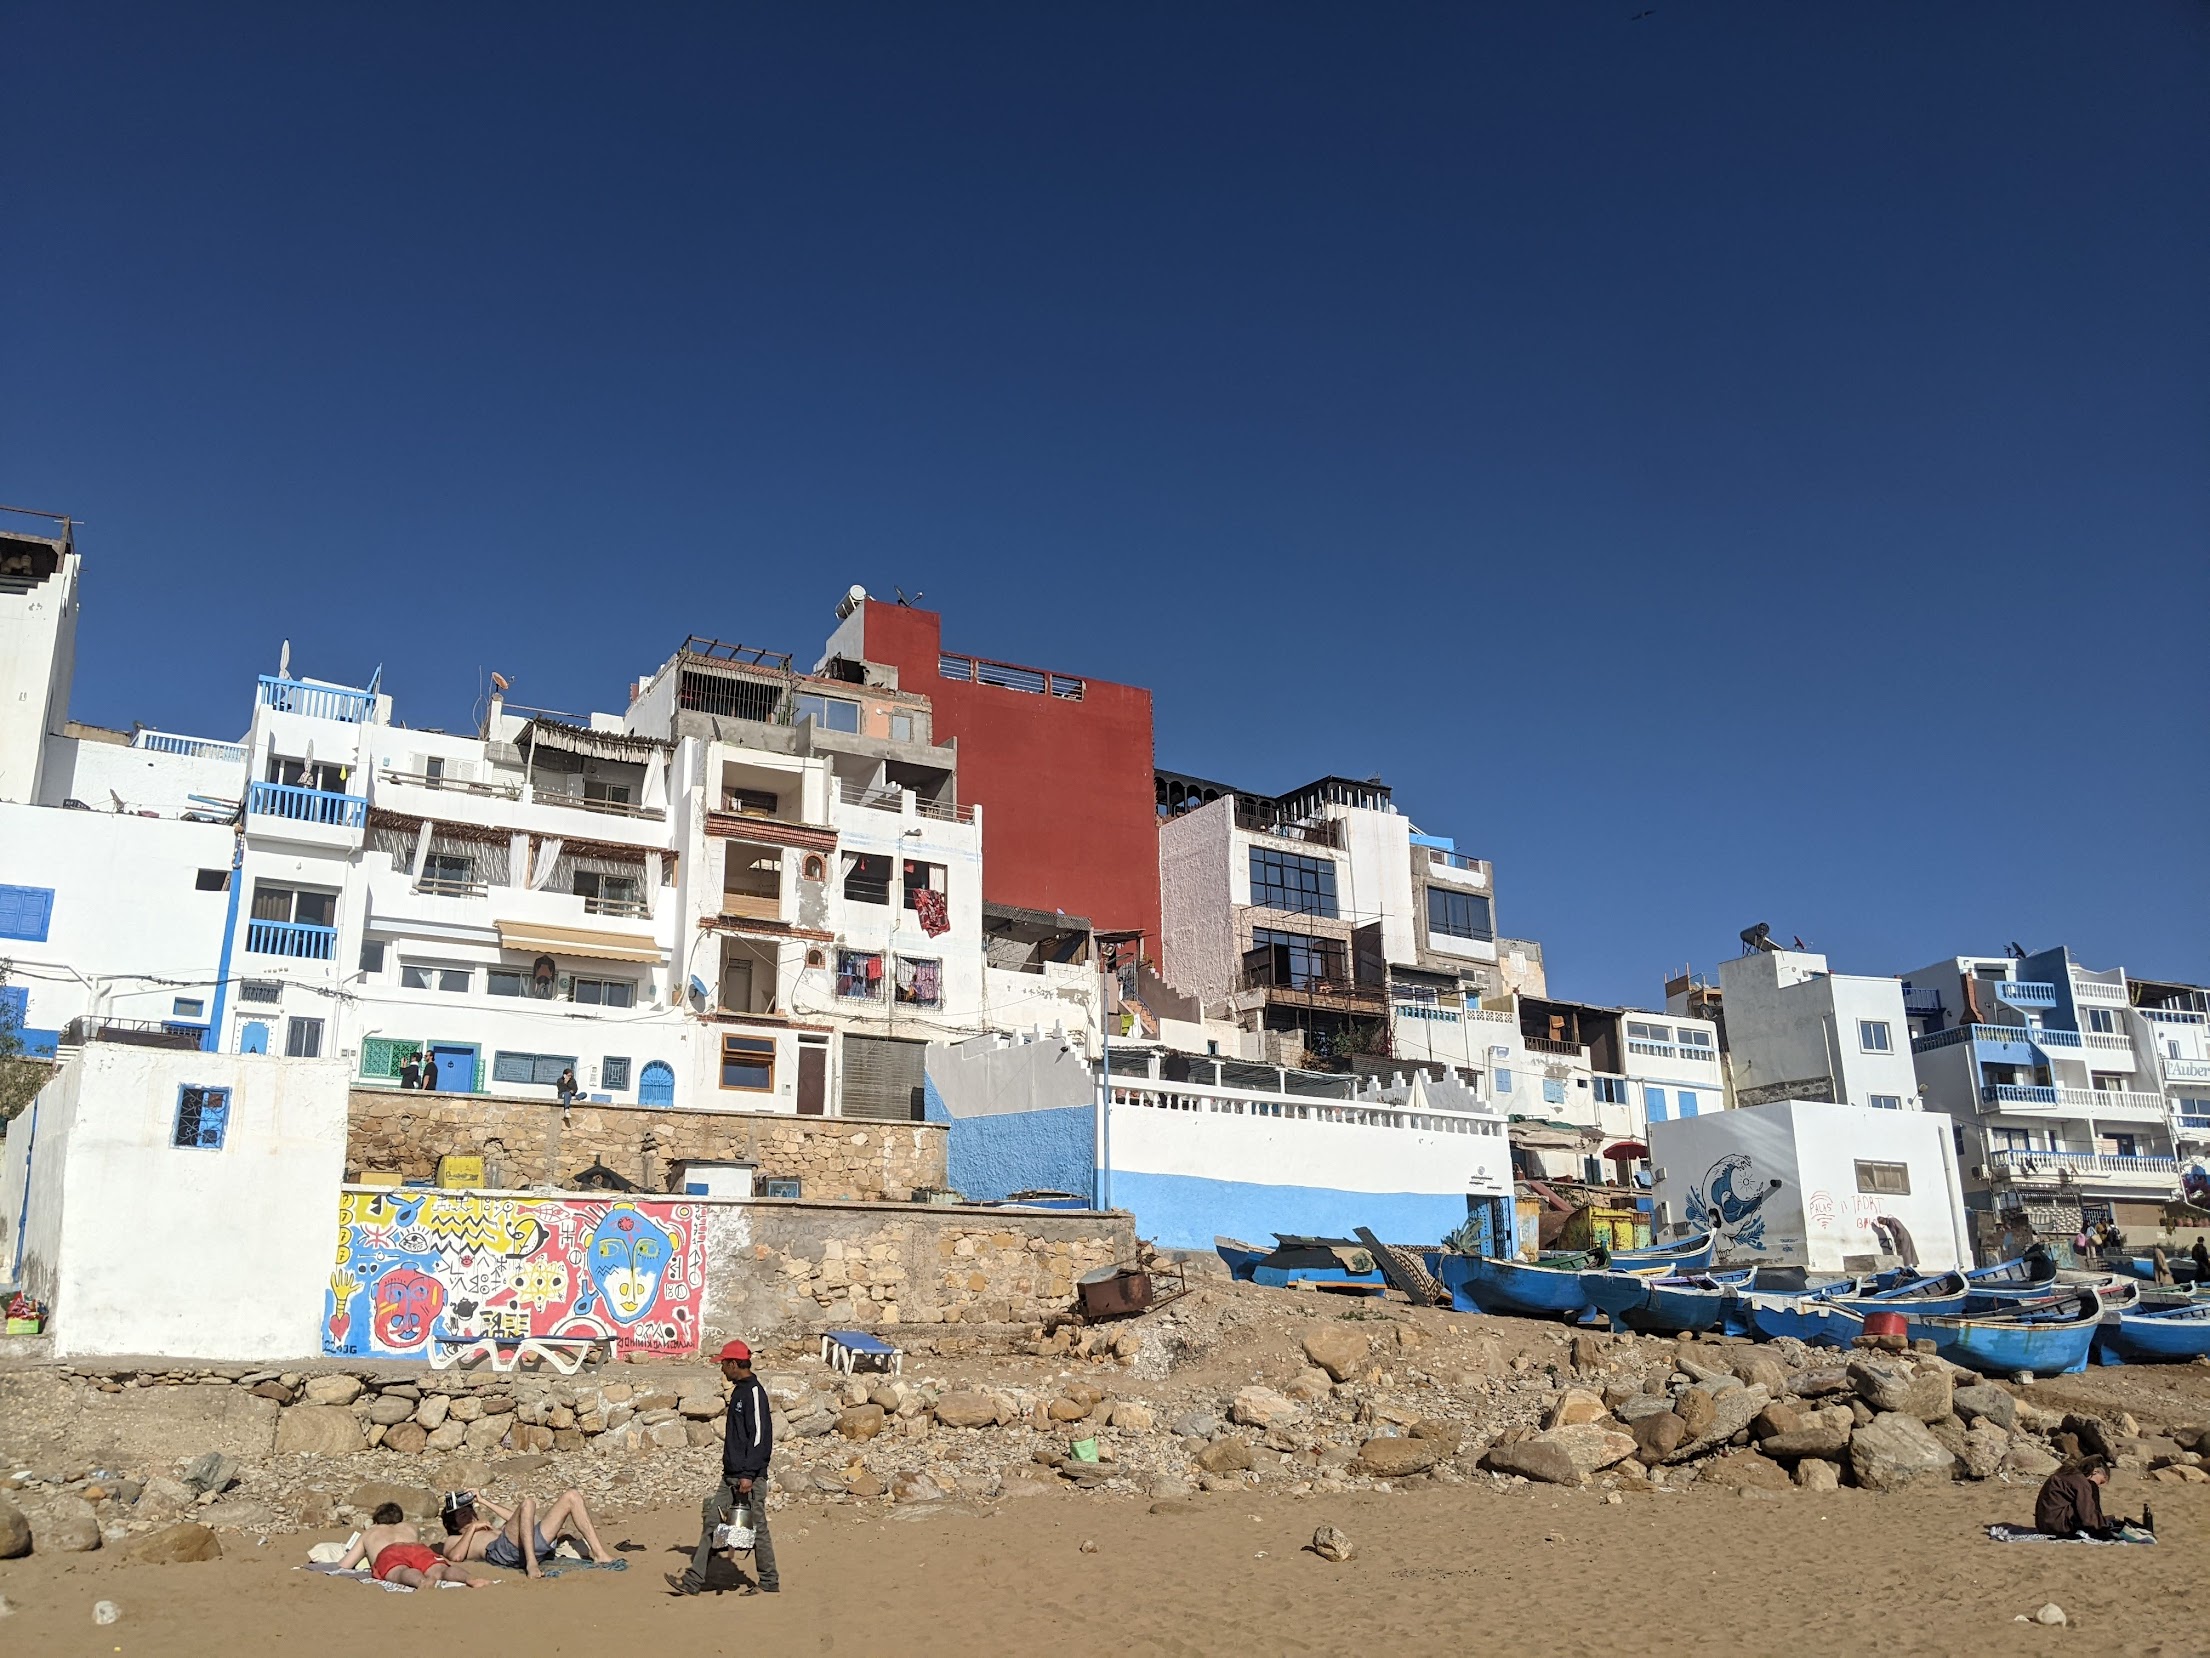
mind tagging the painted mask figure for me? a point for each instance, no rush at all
(407, 1304)
(628, 1256)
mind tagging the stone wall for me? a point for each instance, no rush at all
(778, 1267)
(528, 1143)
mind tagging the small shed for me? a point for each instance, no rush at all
(1833, 1188)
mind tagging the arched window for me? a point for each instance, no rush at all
(254, 1039)
(657, 1085)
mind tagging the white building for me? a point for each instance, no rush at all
(1797, 1030)
(2061, 1085)
(1834, 1188)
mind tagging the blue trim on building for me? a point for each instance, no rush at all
(1180, 1211)
(212, 1042)
(992, 1157)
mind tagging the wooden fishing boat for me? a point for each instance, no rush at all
(2051, 1339)
(1526, 1289)
(2156, 1335)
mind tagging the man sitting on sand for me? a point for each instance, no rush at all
(521, 1537)
(2071, 1503)
(394, 1555)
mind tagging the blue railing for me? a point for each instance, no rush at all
(2026, 993)
(297, 939)
(320, 702)
(196, 748)
(298, 805)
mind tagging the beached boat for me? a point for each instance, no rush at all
(1834, 1315)
(2156, 1335)
(1810, 1317)
(2027, 1272)
(2050, 1339)
(2142, 1267)
(1547, 1289)
(1670, 1304)
(1340, 1264)
(1691, 1254)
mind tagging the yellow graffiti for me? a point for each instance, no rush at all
(342, 1286)
(539, 1282)
(460, 1221)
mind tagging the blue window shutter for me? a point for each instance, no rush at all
(1654, 1099)
(25, 912)
(1686, 1099)
(15, 1005)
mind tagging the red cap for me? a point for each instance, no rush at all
(737, 1350)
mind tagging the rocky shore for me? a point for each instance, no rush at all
(1227, 1389)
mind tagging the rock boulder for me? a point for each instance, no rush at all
(1338, 1349)
(1396, 1458)
(1896, 1450)
(176, 1545)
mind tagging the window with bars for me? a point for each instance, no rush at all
(859, 975)
(613, 1073)
(533, 1069)
(920, 983)
(1292, 881)
(202, 1118)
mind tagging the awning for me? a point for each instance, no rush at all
(1619, 1149)
(596, 745)
(578, 941)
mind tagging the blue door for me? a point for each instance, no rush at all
(254, 1039)
(1654, 1104)
(456, 1068)
(657, 1085)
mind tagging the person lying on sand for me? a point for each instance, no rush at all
(520, 1537)
(394, 1556)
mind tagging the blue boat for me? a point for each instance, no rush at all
(2156, 1335)
(2043, 1340)
(1817, 1319)
(2143, 1268)
(1691, 1254)
(1524, 1289)
(1688, 1301)
(1338, 1264)
(2031, 1271)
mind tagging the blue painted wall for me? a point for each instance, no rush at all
(1019, 1151)
(1180, 1211)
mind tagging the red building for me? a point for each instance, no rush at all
(1061, 766)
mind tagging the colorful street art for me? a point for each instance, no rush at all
(1729, 1201)
(446, 1275)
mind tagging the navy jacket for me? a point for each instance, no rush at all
(748, 1438)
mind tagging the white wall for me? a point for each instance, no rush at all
(1374, 881)
(38, 631)
(187, 1253)
(1195, 876)
(1790, 1021)
(127, 914)
(1816, 1217)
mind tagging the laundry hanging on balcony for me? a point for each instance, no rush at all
(933, 912)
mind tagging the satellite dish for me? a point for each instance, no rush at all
(499, 683)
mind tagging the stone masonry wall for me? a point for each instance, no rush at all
(776, 1267)
(527, 1143)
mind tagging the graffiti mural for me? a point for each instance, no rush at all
(440, 1275)
(1730, 1201)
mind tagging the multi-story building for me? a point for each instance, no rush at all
(1059, 762)
(1323, 920)
(2178, 1020)
(1796, 1030)
(2056, 1082)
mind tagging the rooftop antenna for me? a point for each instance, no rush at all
(908, 603)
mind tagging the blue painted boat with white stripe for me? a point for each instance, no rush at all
(2156, 1335)
(2045, 1341)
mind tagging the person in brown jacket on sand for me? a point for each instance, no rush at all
(2071, 1503)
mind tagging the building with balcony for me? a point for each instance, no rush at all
(2057, 1083)
(1060, 763)
(1325, 922)
(1796, 1030)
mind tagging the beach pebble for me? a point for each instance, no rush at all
(2051, 1614)
(1330, 1544)
(1088, 1545)
(105, 1611)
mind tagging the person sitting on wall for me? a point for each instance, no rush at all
(395, 1555)
(522, 1537)
(566, 1088)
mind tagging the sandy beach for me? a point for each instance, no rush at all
(1452, 1570)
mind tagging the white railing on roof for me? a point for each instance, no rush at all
(2096, 990)
(1200, 1099)
(195, 748)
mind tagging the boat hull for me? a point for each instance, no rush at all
(2005, 1344)
(1480, 1284)
(1687, 1255)
(2170, 1335)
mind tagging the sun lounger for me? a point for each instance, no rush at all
(850, 1350)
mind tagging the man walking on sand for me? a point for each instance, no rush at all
(748, 1441)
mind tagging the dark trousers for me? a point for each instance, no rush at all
(719, 1509)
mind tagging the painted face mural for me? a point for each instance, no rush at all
(628, 1257)
(407, 1304)
(1729, 1199)
(424, 1275)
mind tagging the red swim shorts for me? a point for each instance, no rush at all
(418, 1555)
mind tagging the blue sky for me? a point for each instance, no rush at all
(1746, 463)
